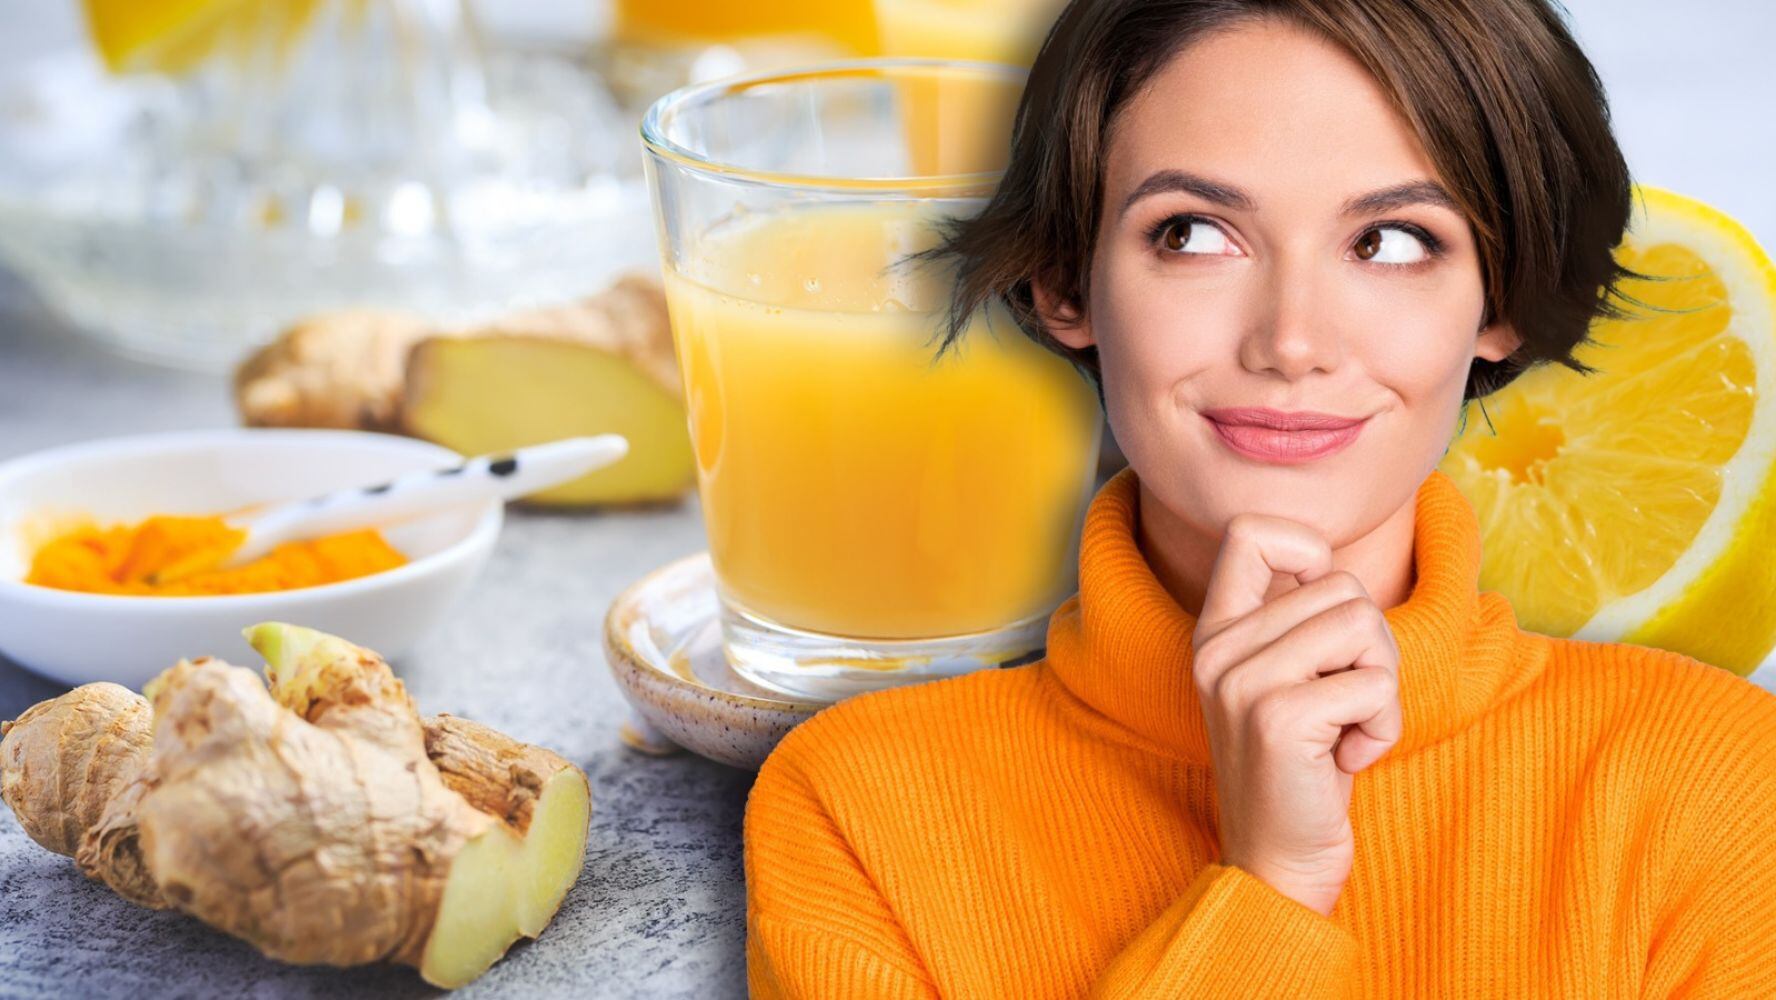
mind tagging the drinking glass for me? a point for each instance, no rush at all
(877, 513)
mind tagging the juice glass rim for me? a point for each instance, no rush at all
(694, 95)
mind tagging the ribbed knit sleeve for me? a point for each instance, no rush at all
(816, 924)
(1716, 934)
(1233, 934)
(789, 958)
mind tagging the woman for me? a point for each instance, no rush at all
(1374, 210)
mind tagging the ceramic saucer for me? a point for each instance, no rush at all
(662, 640)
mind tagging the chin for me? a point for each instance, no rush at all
(1311, 498)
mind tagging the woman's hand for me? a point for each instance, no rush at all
(1298, 695)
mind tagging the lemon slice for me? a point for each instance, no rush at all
(1638, 504)
(173, 36)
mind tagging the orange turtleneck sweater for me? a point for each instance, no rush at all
(1560, 817)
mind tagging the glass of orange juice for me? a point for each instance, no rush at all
(878, 513)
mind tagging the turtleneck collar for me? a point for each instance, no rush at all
(1122, 644)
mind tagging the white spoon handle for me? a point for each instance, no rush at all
(504, 475)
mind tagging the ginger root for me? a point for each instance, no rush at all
(339, 369)
(322, 820)
(604, 364)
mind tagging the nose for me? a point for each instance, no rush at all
(1294, 329)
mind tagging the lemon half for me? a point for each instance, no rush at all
(1638, 504)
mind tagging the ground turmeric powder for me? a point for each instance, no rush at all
(168, 555)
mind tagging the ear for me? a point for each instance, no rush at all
(1063, 320)
(1497, 340)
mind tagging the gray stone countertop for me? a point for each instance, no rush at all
(659, 909)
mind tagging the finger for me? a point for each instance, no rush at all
(1354, 713)
(1366, 741)
(1245, 638)
(1350, 634)
(1254, 549)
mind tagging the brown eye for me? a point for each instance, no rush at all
(1193, 236)
(1369, 245)
(1394, 244)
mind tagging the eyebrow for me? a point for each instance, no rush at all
(1226, 195)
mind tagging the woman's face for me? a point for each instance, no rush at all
(1238, 265)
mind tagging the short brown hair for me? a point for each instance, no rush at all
(1509, 110)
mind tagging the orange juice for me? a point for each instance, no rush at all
(1006, 31)
(851, 484)
(851, 23)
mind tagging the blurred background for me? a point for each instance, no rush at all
(179, 179)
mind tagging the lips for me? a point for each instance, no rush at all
(1300, 420)
(1284, 438)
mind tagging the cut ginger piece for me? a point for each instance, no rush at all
(321, 820)
(504, 887)
(604, 364)
(479, 394)
(530, 789)
(601, 364)
(508, 881)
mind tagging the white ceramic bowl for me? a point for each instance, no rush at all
(78, 637)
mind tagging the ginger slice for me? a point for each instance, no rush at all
(533, 790)
(307, 819)
(601, 365)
